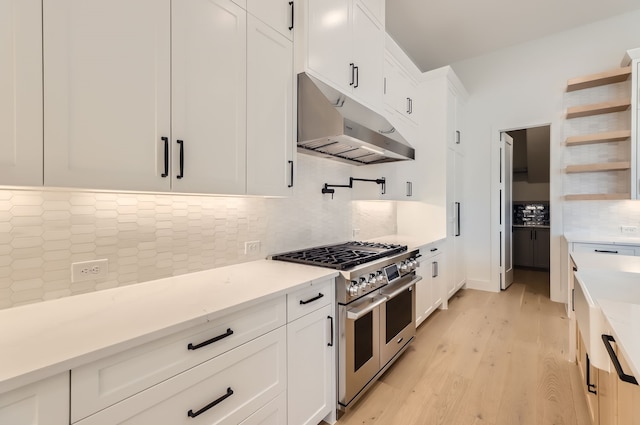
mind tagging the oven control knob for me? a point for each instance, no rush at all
(372, 279)
(380, 277)
(353, 289)
(414, 263)
(404, 267)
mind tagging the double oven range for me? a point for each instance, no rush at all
(375, 311)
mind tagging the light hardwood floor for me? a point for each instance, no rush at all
(492, 358)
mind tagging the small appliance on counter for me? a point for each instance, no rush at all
(375, 294)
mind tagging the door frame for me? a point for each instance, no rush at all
(496, 212)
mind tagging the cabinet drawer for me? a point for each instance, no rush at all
(603, 248)
(274, 413)
(224, 390)
(107, 381)
(309, 299)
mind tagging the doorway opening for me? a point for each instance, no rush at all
(525, 206)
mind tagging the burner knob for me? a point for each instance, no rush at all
(414, 263)
(363, 283)
(372, 279)
(404, 267)
(380, 277)
(353, 289)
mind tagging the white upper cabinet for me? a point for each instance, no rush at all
(270, 84)
(278, 14)
(376, 8)
(400, 90)
(107, 93)
(345, 47)
(208, 96)
(21, 92)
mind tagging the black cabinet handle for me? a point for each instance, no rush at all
(607, 340)
(408, 105)
(229, 332)
(590, 387)
(353, 74)
(291, 26)
(291, 174)
(573, 299)
(432, 250)
(181, 174)
(605, 251)
(357, 77)
(212, 404)
(166, 156)
(458, 220)
(575, 269)
(457, 137)
(409, 189)
(330, 344)
(310, 300)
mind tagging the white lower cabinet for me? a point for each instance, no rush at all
(311, 342)
(43, 403)
(223, 390)
(430, 290)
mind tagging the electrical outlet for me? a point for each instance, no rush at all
(629, 230)
(252, 247)
(89, 270)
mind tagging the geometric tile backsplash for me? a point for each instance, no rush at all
(151, 236)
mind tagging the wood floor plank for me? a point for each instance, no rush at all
(490, 359)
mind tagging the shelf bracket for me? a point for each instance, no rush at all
(328, 188)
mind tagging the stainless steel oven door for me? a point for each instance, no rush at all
(397, 317)
(360, 346)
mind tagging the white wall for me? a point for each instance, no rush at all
(520, 87)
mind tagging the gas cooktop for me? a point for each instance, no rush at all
(341, 256)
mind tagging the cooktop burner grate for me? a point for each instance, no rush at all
(342, 256)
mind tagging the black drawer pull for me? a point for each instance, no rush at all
(229, 332)
(292, 16)
(331, 324)
(590, 387)
(210, 405)
(291, 174)
(181, 174)
(608, 339)
(605, 251)
(310, 300)
(166, 156)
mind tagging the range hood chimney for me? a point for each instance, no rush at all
(334, 126)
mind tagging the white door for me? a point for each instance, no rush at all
(21, 92)
(368, 57)
(506, 178)
(209, 96)
(106, 93)
(310, 349)
(455, 222)
(270, 147)
(329, 41)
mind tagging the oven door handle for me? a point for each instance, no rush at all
(403, 288)
(355, 314)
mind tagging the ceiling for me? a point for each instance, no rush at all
(435, 33)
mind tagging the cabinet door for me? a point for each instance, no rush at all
(522, 247)
(311, 358)
(455, 225)
(278, 14)
(368, 56)
(607, 396)
(329, 41)
(589, 380)
(424, 291)
(43, 403)
(541, 249)
(274, 413)
(209, 96)
(376, 8)
(106, 93)
(21, 92)
(270, 100)
(628, 395)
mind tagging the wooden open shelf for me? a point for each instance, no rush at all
(602, 166)
(587, 139)
(598, 108)
(598, 197)
(612, 76)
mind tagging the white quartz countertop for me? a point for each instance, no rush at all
(592, 260)
(606, 239)
(617, 293)
(43, 339)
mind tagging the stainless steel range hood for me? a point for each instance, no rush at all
(332, 125)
